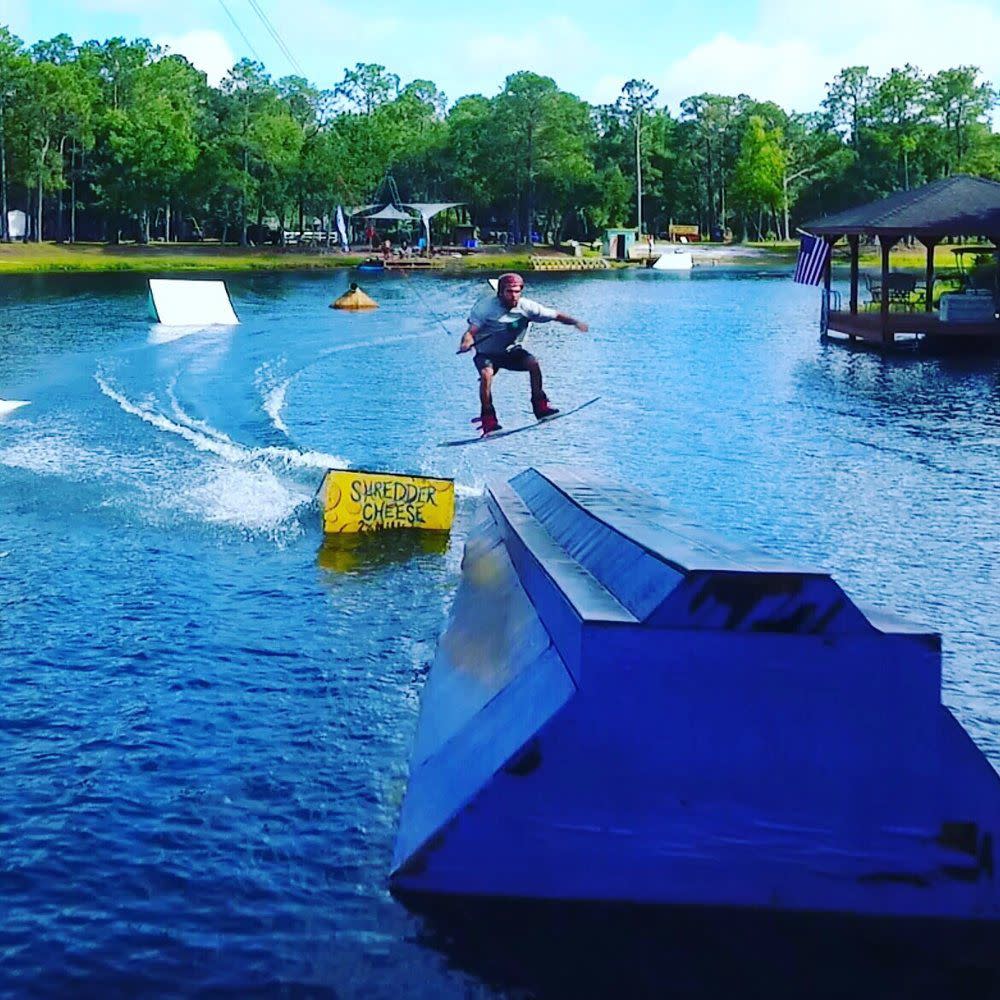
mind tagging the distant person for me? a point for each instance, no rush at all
(404, 246)
(649, 244)
(370, 235)
(497, 324)
(387, 249)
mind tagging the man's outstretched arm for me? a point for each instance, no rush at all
(468, 339)
(569, 321)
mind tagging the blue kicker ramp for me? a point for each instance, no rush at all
(624, 708)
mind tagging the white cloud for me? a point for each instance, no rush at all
(789, 57)
(607, 89)
(936, 37)
(17, 16)
(794, 77)
(327, 37)
(114, 6)
(207, 50)
(555, 47)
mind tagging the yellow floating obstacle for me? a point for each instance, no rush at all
(354, 298)
(358, 501)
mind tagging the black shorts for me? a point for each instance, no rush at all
(516, 359)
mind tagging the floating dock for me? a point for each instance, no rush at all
(624, 708)
(569, 264)
(414, 263)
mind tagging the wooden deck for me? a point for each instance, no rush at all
(907, 327)
(413, 263)
(539, 263)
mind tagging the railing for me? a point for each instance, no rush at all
(830, 301)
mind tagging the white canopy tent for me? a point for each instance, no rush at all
(427, 210)
(391, 213)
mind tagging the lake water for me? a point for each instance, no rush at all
(206, 714)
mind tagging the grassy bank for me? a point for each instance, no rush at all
(21, 258)
(46, 257)
(30, 258)
(870, 257)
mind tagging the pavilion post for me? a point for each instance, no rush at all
(886, 243)
(827, 277)
(930, 242)
(853, 241)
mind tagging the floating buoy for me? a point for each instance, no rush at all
(354, 298)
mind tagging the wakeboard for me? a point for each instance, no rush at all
(506, 432)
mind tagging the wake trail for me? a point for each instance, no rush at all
(274, 403)
(207, 439)
(198, 426)
(274, 395)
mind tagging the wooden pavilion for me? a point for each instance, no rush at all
(956, 206)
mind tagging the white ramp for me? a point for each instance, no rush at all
(674, 260)
(9, 405)
(191, 303)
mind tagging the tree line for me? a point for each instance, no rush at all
(117, 139)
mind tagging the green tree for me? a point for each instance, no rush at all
(712, 140)
(366, 87)
(14, 67)
(899, 115)
(468, 154)
(153, 137)
(250, 94)
(116, 63)
(55, 106)
(960, 103)
(540, 136)
(848, 101)
(759, 173)
(275, 142)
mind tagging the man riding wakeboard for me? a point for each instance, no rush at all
(497, 325)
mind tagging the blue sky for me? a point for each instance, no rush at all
(782, 50)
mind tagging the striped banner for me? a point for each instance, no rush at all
(813, 255)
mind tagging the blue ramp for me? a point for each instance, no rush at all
(625, 708)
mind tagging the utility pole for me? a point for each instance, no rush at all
(637, 96)
(638, 169)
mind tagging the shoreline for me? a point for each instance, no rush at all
(83, 258)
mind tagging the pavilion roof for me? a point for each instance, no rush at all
(954, 206)
(391, 213)
(428, 209)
